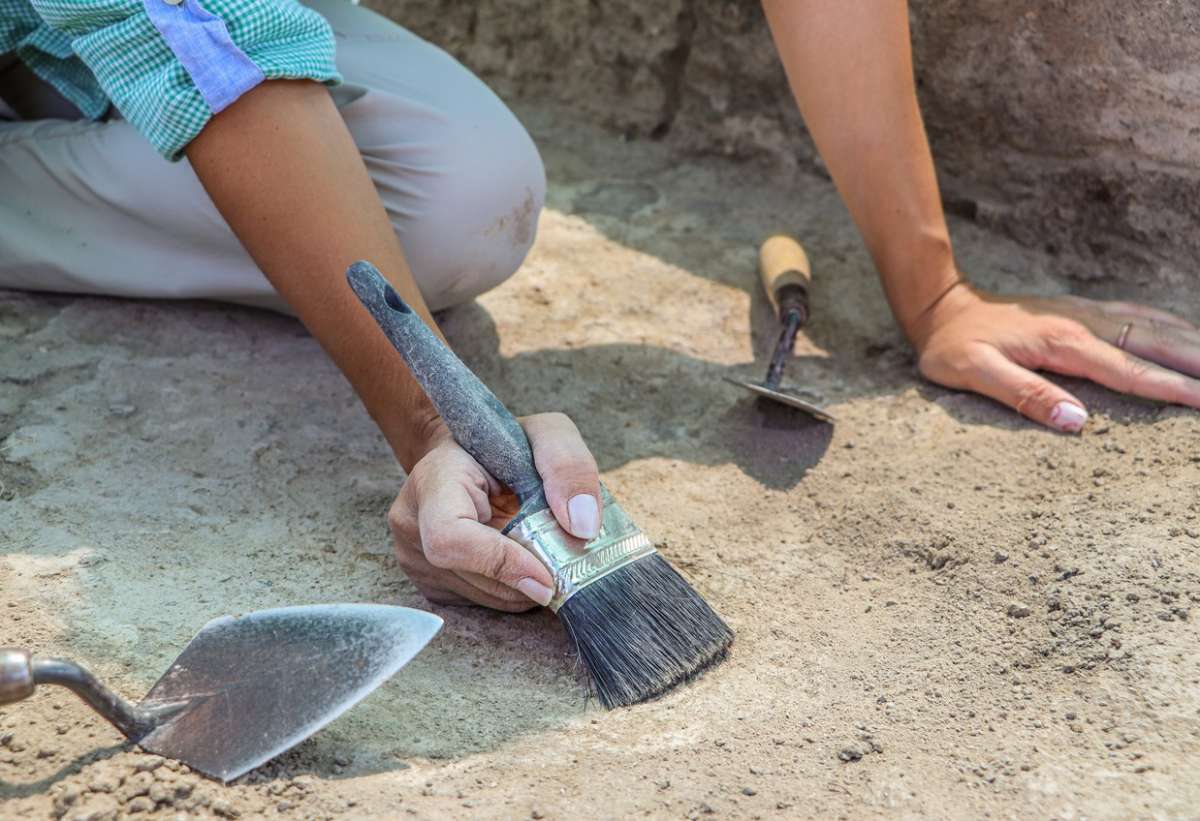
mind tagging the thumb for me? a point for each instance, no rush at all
(1026, 392)
(568, 473)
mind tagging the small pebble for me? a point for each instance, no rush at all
(161, 793)
(135, 785)
(148, 763)
(104, 782)
(139, 804)
(224, 809)
(1016, 610)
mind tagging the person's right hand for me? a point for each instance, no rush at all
(447, 519)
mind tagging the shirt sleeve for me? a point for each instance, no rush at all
(169, 65)
(49, 55)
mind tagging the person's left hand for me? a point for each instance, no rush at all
(994, 344)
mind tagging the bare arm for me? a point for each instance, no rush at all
(850, 69)
(285, 174)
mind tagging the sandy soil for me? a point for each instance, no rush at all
(941, 609)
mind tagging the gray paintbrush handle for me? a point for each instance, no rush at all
(478, 420)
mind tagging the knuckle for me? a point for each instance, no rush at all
(414, 484)
(1136, 371)
(398, 517)
(952, 368)
(569, 467)
(577, 473)
(556, 419)
(973, 359)
(547, 427)
(503, 566)
(405, 538)
(1066, 335)
(441, 549)
(1034, 395)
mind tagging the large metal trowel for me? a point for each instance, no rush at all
(786, 277)
(246, 689)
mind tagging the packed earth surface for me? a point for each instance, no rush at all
(942, 610)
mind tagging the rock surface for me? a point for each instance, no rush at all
(1074, 127)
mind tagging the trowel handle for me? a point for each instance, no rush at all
(786, 275)
(16, 676)
(21, 673)
(478, 420)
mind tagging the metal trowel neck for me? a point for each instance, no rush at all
(794, 314)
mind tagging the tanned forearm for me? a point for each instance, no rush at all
(285, 174)
(850, 69)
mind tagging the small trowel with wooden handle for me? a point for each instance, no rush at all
(786, 277)
(246, 688)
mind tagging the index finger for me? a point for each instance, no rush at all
(454, 538)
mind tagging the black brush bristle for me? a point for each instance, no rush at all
(641, 630)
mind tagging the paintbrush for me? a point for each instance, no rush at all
(638, 627)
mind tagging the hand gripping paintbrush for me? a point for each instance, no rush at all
(638, 626)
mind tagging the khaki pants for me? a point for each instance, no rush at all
(89, 207)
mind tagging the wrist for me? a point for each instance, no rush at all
(419, 438)
(917, 278)
(954, 299)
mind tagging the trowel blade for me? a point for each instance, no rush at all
(786, 397)
(259, 684)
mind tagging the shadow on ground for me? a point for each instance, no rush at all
(657, 403)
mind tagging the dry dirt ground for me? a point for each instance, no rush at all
(941, 610)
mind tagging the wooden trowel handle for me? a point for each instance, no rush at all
(786, 274)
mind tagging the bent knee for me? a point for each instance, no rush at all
(480, 213)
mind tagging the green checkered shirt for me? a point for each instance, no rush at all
(167, 65)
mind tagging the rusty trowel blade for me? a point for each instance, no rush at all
(786, 397)
(259, 684)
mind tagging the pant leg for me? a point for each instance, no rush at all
(459, 175)
(90, 208)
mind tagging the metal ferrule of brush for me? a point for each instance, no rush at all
(574, 563)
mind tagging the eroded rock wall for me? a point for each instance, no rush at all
(1074, 127)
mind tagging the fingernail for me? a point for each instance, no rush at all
(584, 515)
(1068, 417)
(535, 590)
